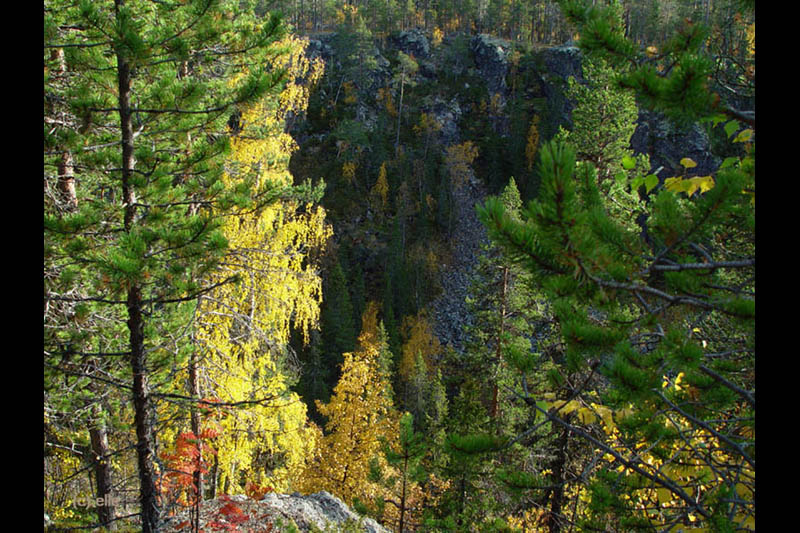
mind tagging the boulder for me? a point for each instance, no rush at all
(411, 42)
(318, 510)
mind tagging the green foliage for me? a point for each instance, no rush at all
(337, 328)
(576, 252)
(140, 183)
(672, 79)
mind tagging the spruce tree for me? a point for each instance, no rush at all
(338, 332)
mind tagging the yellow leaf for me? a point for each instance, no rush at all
(571, 406)
(674, 184)
(607, 416)
(651, 51)
(678, 380)
(744, 136)
(586, 415)
(704, 183)
(664, 496)
(688, 162)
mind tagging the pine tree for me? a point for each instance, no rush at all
(407, 459)
(140, 115)
(647, 325)
(467, 465)
(506, 316)
(408, 67)
(643, 316)
(604, 120)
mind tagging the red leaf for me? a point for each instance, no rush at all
(231, 509)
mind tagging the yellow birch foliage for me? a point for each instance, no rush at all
(438, 36)
(360, 414)
(384, 96)
(532, 144)
(420, 339)
(458, 159)
(380, 190)
(349, 171)
(243, 329)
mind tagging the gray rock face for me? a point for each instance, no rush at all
(491, 59)
(667, 144)
(447, 114)
(318, 510)
(560, 64)
(412, 42)
(563, 62)
(320, 47)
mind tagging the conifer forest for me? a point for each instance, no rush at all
(465, 265)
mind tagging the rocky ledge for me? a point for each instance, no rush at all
(319, 512)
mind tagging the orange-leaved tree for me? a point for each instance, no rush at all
(360, 415)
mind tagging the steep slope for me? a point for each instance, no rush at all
(424, 238)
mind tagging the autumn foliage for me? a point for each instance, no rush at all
(191, 454)
(359, 415)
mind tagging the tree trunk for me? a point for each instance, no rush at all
(66, 181)
(403, 497)
(400, 111)
(145, 437)
(197, 475)
(102, 473)
(557, 494)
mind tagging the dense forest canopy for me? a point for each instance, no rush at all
(467, 265)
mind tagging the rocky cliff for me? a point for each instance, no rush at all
(456, 78)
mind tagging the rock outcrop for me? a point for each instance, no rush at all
(411, 42)
(491, 59)
(320, 511)
(559, 64)
(667, 144)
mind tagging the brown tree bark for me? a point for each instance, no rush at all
(557, 494)
(142, 402)
(102, 473)
(66, 181)
(197, 475)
